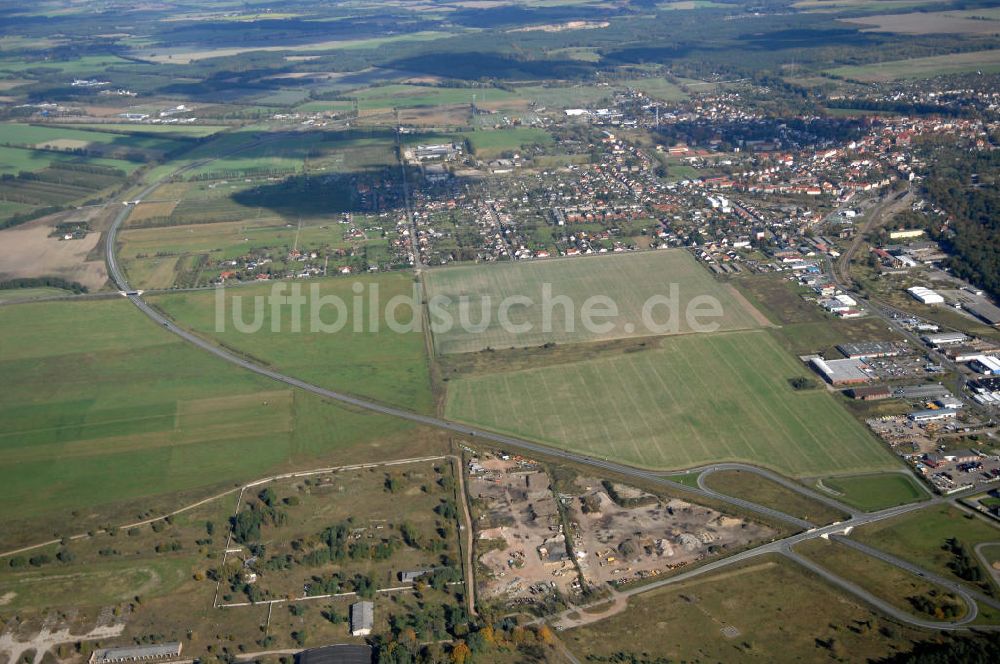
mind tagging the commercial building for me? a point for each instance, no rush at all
(922, 392)
(362, 618)
(950, 402)
(436, 151)
(963, 352)
(870, 349)
(962, 456)
(840, 372)
(925, 295)
(156, 652)
(984, 311)
(944, 338)
(871, 393)
(986, 364)
(933, 415)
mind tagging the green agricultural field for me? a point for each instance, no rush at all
(985, 61)
(90, 65)
(921, 537)
(658, 88)
(105, 407)
(487, 143)
(780, 612)
(696, 399)
(412, 96)
(325, 106)
(66, 138)
(379, 364)
(876, 492)
(15, 160)
(21, 294)
(630, 280)
(181, 130)
(566, 96)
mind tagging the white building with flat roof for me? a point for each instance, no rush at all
(925, 295)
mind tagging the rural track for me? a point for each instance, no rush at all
(778, 546)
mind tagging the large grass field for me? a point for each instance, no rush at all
(491, 143)
(379, 364)
(567, 96)
(69, 138)
(15, 160)
(695, 400)
(920, 537)
(937, 65)
(411, 96)
(629, 280)
(876, 492)
(780, 614)
(102, 406)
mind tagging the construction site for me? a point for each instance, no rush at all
(636, 535)
(521, 544)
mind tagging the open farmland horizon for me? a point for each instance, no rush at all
(499, 331)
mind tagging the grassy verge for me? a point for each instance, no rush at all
(876, 492)
(750, 486)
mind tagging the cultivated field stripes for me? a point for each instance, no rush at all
(630, 280)
(698, 399)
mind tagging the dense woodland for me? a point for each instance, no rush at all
(963, 183)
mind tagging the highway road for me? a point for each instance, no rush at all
(781, 546)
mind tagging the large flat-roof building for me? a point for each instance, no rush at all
(870, 349)
(922, 391)
(984, 311)
(155, 652)
(944, 338)
(933, 415)
(840, 372)
(986, 364)
(925, 295)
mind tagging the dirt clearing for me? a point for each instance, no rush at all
(30, 251)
